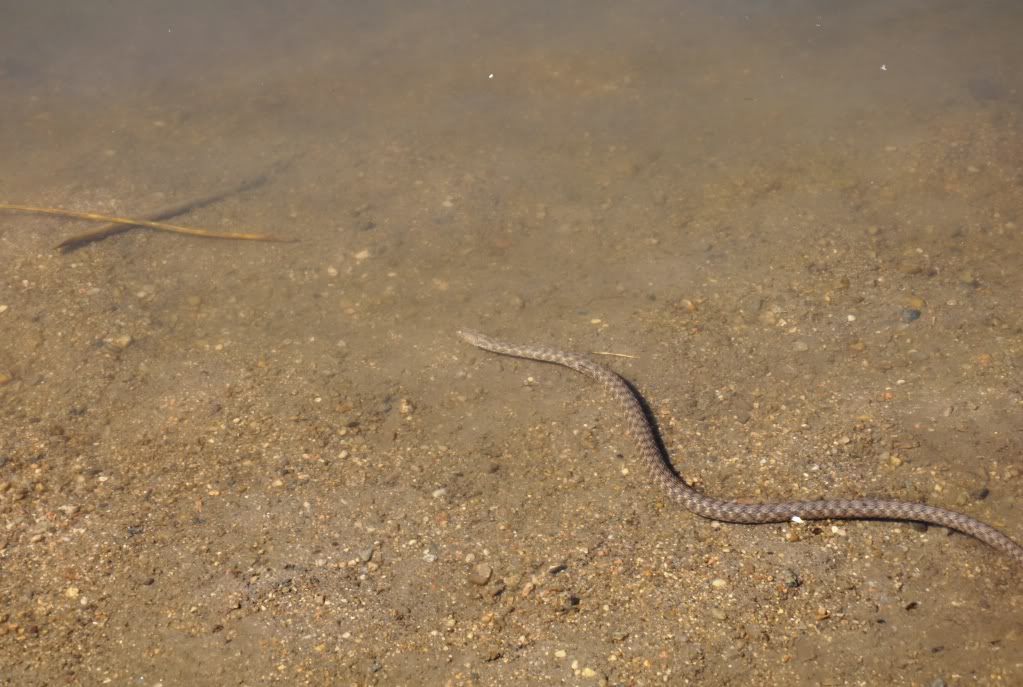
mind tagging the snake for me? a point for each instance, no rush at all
(661, 471)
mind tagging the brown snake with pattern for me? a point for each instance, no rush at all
(730, 511)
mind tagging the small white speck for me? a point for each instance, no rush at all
(796, 519)
(490, 76)
(851, 318)
(884, 68)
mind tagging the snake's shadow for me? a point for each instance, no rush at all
(655, 427)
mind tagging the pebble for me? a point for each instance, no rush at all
(718, 583)
(910, 315)
(5, 378)
(480, 574)
(909, 267)
(800, 347)
(121, 342)
(560, 653)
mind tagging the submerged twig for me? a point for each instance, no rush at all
(127, 222)
(117, 225)
(111, 229)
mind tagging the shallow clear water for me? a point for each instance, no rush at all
(800, 218)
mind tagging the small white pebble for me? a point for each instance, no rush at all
(796, 519)
(718, 583)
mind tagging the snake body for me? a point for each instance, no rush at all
(731, 511)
